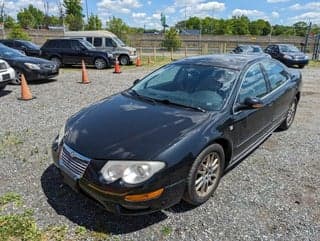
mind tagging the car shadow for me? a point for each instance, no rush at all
(4, 92)
(85, 212)
(42, 81)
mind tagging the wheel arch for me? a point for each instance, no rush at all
(226, 146)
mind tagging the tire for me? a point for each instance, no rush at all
(301, 66)
(124, 60)
(100, 63)
(2, 87)
(17, 79)
(289, 116)
(57, 61)
(204, 175)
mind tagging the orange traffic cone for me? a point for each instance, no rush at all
(117, 67)
(138, 62)
(85, 79)
(25, 91)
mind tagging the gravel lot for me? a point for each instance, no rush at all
(274, 194)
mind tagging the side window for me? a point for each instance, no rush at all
(75, 44)
(65, 44)
(89, 39)
(97, 42)
(253, 85)
(276, 73)
(109, 42)
(8, 43)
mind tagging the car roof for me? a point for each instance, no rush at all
(230, 61)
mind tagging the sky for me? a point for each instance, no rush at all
(147, 13)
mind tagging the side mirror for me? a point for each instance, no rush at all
(136, 81)
(250, 103)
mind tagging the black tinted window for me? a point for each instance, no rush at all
(276, 73)
(109, 42)
(18, 44)
(97, 42)
(89, 39)
(253, 85)
(8, 43)
(75, 44)
(51, 44)
(65, 44)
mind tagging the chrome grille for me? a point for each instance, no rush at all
(73, 162)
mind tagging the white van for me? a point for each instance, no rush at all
(105, 40)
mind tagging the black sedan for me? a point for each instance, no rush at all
(175, 132)
(32, 68)
(24, 46)
(288, 54)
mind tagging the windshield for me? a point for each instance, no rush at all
(10, 53)
(119, 42)
(196, 86)
(87, 44)
(288, 48)
(30, 45)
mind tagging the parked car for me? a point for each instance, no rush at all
(32, 68)
(176, 131)
(73, 51)
(7, 74)
(287, 54)
(105, 40)
(25, 47)
(247, 49)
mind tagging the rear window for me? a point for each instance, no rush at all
(51, 44)
(89, 39)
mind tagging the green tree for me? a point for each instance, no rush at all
(18, 33)
(94, 23)
(30, 17)
(300, 28)
(74, 17)
(9, 22)
(171, 39)
(240, 25)
(118, 27)
(259, 27)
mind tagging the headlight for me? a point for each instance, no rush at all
(131, 172)
(287, 56)
(306, 57)
(6, 63)
(32, 66)
(61, 134)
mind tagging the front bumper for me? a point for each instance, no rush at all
(133, 58)
(6, 76)
(41, 74)
(291, 62)
(112, 197)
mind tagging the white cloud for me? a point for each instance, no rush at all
(170, 10)
(119, 6)
(248, 13)
(139, 15)
(277, 1)
(275, 14)
(314, 17)
(309, 6)
(149, 3)
(198, 8)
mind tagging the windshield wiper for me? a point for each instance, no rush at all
(135, 93)
(168, 102)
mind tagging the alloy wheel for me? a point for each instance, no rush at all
(100, 63)
(291, 113)
(207, 174)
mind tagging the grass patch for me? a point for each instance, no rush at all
(166, 230)
(314, 63)
(10, 197)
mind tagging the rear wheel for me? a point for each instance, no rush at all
(290, 115)
(301, 66)
(204, 175)
(100, 63)
(124, 60)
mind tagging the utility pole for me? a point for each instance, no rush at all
(87, 12)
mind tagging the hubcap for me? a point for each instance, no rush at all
(291, 112)
(100, 63)
(17, 80)
(207, 174)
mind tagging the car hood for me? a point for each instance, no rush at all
(33, 60)
(123, 127)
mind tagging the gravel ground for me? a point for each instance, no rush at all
(274, 194)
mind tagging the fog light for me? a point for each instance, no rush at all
(144, 197)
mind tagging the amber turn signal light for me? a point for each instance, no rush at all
(144, 196)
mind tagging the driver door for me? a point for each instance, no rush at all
(252, 124)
